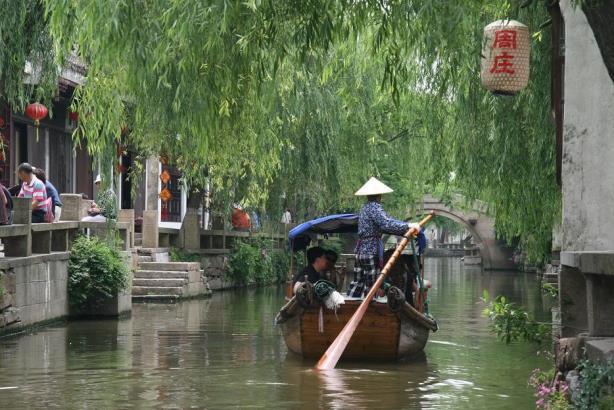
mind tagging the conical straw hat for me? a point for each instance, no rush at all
(373, 187)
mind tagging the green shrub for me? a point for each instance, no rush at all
(550, 290)
(257, 262)
(333, 243)
(177, 255)
(96, 271)
(596, 385)
(511, 322)
(281, 265)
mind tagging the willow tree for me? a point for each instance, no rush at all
(28, 68)
(308, 98)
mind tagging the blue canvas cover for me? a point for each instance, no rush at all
(301, 235)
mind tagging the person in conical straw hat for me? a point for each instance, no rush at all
(372, 223)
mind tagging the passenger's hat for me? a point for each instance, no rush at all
(373, 187)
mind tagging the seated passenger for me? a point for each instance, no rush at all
(330, 273)
(105, 206)
(316, 263)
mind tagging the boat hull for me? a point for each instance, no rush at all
(381, 334)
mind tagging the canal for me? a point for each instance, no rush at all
(226, 352)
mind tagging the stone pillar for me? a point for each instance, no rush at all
(71, 207)
(153, 180)
(572, 299)
(22, 211)
(190, 230)
(150, 228)
(127, 215)
(22, 215)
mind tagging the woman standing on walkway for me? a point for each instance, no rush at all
(372, 223)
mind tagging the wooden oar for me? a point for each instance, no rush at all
(332, 355)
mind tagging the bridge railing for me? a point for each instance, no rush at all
(215, 241)
(23, 238)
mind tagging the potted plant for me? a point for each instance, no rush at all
(98, 279)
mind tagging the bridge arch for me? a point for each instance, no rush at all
(494, 255)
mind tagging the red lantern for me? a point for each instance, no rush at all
(73, 116)
(36, 112)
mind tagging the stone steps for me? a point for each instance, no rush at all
(157, 291)
(170, 266)
(155, 298)
(157, 274)
(159, 282)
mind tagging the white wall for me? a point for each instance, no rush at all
(588, 147)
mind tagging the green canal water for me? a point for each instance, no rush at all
(225, 352)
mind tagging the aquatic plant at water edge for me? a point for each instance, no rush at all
(596, 385)
(257, 262)
(511, 322)
(96, 271)
(551, 392)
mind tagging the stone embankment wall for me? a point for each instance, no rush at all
(35, 290)
(214, 268)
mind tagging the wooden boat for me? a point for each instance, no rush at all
(382, 333)
(388, 331)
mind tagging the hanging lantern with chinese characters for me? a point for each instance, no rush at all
(36, 112)
(506, 55)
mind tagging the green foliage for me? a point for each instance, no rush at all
(96, 271)
(333, 243)
(255, 262)
(551, 290)
(596, 386)
(25, 37)
(178, 255)
(511, 322)
(280, 264)
(444, 224)
(296, 103)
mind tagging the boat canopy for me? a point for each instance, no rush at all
(301, 235)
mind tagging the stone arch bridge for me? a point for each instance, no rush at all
(495, 254)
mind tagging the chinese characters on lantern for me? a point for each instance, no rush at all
(506, 57)
(504, 44)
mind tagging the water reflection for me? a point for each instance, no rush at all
(226, 352)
